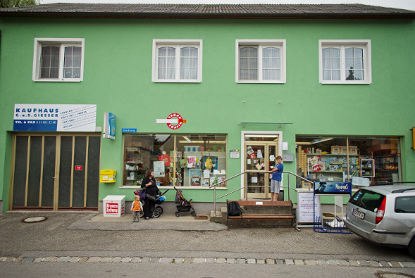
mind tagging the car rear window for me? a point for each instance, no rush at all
(367, 199)
(405, 204)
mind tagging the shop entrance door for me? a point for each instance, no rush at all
(55, 171)
(259, 157)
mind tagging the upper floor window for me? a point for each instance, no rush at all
(58, 60)
(177, 60)
(345, 62)
(260, 61)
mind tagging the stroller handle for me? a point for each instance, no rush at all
(164, 192)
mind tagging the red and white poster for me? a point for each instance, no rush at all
(112, 208)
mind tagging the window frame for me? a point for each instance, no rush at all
(175, 162)
(177, 44)
(62, 43)
(279, 43)
(342, 44)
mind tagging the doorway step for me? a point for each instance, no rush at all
(262, 214)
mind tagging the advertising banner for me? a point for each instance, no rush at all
(332, 187)
(54, 117)
(109, 126)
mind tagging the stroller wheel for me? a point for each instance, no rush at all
(141, 213)
(177, 214)
(158, 211)
(193, 213)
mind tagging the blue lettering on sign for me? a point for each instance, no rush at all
(129, 130)
(35, 125)
(35, 112)
(332, 187)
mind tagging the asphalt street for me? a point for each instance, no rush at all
(88, 240)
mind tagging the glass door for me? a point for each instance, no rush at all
(259, 157)
(255, 178)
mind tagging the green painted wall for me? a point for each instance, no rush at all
(117, 77)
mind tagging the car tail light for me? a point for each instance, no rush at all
(381, 211)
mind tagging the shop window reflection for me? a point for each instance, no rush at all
(366, 160)
(194, 160)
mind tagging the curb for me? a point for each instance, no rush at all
(197, 260)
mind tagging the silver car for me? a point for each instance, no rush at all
(384, 214)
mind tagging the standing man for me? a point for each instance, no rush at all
(276, 179)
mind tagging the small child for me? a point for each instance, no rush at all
(136, 208)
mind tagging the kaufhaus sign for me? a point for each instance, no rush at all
(54, 117)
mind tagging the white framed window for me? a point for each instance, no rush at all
(177, 60)
(58, 59)
(260, 61)
(345, 62)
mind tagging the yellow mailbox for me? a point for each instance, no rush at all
(107, 175)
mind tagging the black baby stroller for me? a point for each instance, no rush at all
(158, 210)
(182, 204)
(160, 198)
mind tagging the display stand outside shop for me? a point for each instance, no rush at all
(327, 222)
(305, 212)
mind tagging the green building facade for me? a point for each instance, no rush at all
(331, 92)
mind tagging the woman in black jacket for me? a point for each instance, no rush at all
(150, 186)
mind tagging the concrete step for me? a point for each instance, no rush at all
(260, 221)
(265, 207)
(262, 214)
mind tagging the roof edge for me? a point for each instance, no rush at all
(222, 11)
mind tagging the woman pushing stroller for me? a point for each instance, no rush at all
(151, 190)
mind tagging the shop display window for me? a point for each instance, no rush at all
(194, 160)
(362, 160)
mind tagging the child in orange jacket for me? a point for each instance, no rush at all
(136, 207)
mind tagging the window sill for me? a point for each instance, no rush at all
(259, 82)
(177, 81)
(345, 83)
(58, 80)
(172, 187)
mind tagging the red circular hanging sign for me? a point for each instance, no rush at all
(180, 121)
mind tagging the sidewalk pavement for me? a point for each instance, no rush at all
(79, 236)
(125, 223)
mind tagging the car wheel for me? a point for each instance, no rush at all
(411, 247)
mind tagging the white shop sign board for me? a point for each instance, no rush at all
(113, 206)
(55, 117)
(305, 213)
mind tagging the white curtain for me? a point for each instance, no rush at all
(248, 63)
(331, 63)
(271, 63)
(188, 62)
(72, 62)
(354, 63)
(49, 62)
(166, 63)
